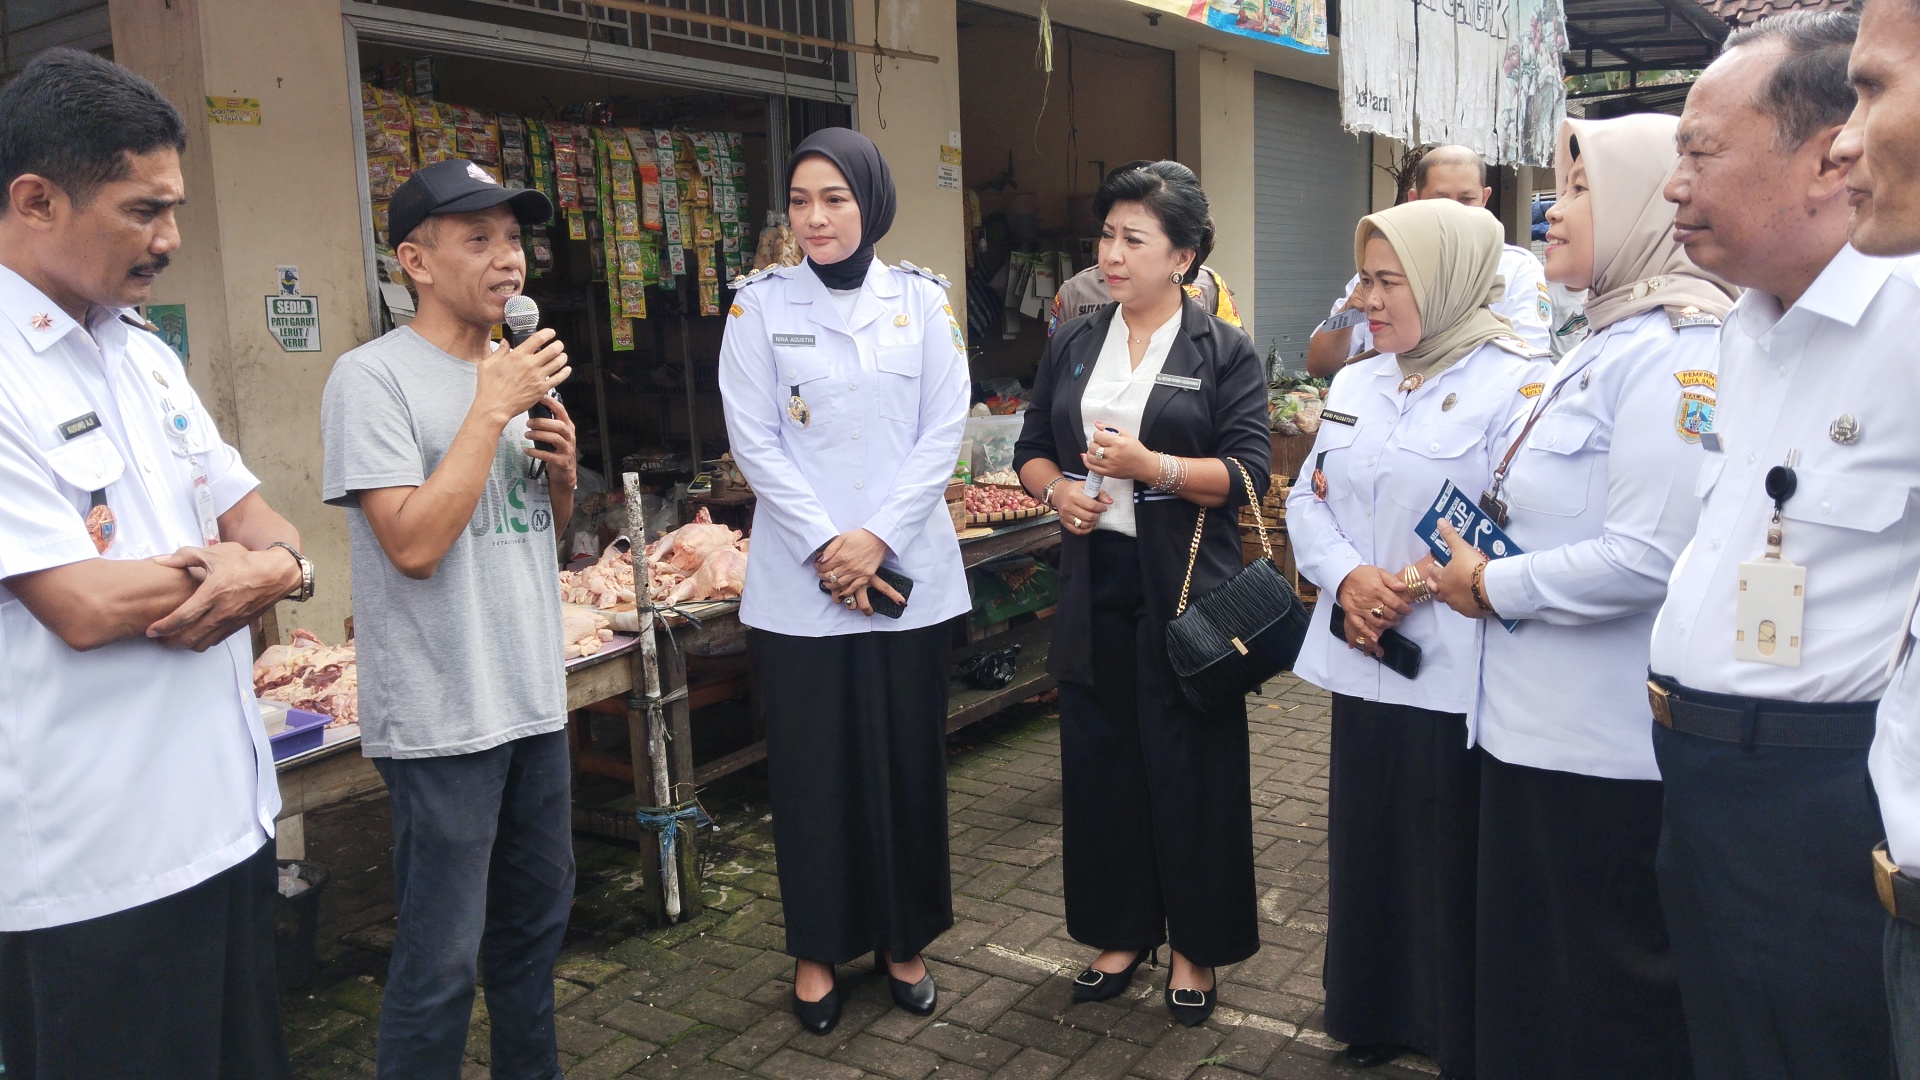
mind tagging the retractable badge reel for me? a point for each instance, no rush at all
(180, 426)
(1772, 603)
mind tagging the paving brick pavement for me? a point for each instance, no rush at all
(708, 998)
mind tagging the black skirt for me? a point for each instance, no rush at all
(1156, 806)
(1576, 977)
(1402, 828)
(857, 766)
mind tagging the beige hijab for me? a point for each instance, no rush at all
(1452, 257)
(1637, 265)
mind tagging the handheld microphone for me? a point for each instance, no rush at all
(522, 317)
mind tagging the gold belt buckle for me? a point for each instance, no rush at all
(1660, 699)
(1883, 870)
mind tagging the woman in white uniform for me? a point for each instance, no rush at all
(1575, 975)
(1405, 787)
(846, 391)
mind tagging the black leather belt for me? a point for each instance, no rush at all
(1754, 722)
(1899, 894)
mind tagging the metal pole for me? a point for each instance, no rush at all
(686, 366)
(600, 398)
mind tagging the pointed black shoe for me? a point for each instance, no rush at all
(1096, 985)
(820, 1016)
(1189, 1006)
(1371, 1055)
(917, 998)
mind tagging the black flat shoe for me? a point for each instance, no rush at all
(917, 998)
(1370, 1055)
(820, 1016)
(1096, 985)
(1189, 1006)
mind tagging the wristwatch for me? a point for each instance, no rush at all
(305, 591)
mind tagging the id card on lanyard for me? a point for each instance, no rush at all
(180, 427)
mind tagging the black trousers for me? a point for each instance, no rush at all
(857, 771)
(483, 881)
(1402, 835)
(180, 988)
(1576, 977)
(1768, 890)
(1157, 805)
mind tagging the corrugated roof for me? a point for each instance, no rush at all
(1640, 35)
(1747, 12)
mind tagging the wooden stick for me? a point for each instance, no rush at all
(650, 666)
(673, 14)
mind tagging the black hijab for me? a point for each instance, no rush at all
(866, 171)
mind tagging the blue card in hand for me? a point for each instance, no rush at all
(1472, 523)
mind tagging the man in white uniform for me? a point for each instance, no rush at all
(1460, 174)
(1771, 650)
(1881, 145)
(137, 792)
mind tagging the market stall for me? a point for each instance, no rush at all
(663, 172)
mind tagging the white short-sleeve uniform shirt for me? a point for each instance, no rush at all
(133, 771)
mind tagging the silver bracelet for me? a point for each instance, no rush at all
(1046, 493)
(1173, 475)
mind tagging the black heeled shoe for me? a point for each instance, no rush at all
(1096, 985)
(917, 998)
(1189, 1006)
(820, 1016)
(1372, 1055)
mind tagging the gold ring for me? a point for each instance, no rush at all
(1361, 640)
(847, 600)
(1379, 611)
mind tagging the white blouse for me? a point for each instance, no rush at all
(1116, 396)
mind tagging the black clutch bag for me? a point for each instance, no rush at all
(1244, 632)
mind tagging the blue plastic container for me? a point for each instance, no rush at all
(304, 732)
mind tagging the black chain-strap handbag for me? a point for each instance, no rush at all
(1241, 634)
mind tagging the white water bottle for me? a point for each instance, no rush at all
(1092, 487)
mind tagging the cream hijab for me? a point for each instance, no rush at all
(1637, 264)
(1452, 257)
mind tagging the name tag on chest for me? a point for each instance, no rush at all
(1178, 382)
(79, 425)
(803, 341)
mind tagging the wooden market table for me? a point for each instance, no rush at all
(337, 771)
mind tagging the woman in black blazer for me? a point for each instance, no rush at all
(1158, 814)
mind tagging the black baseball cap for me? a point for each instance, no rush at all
(458, 186)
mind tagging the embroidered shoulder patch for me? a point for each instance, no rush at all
(1531, 390)
(736, 311)
(1694, 417)
(1696, 377)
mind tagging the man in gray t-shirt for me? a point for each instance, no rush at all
(456, 608)
(469, 657)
